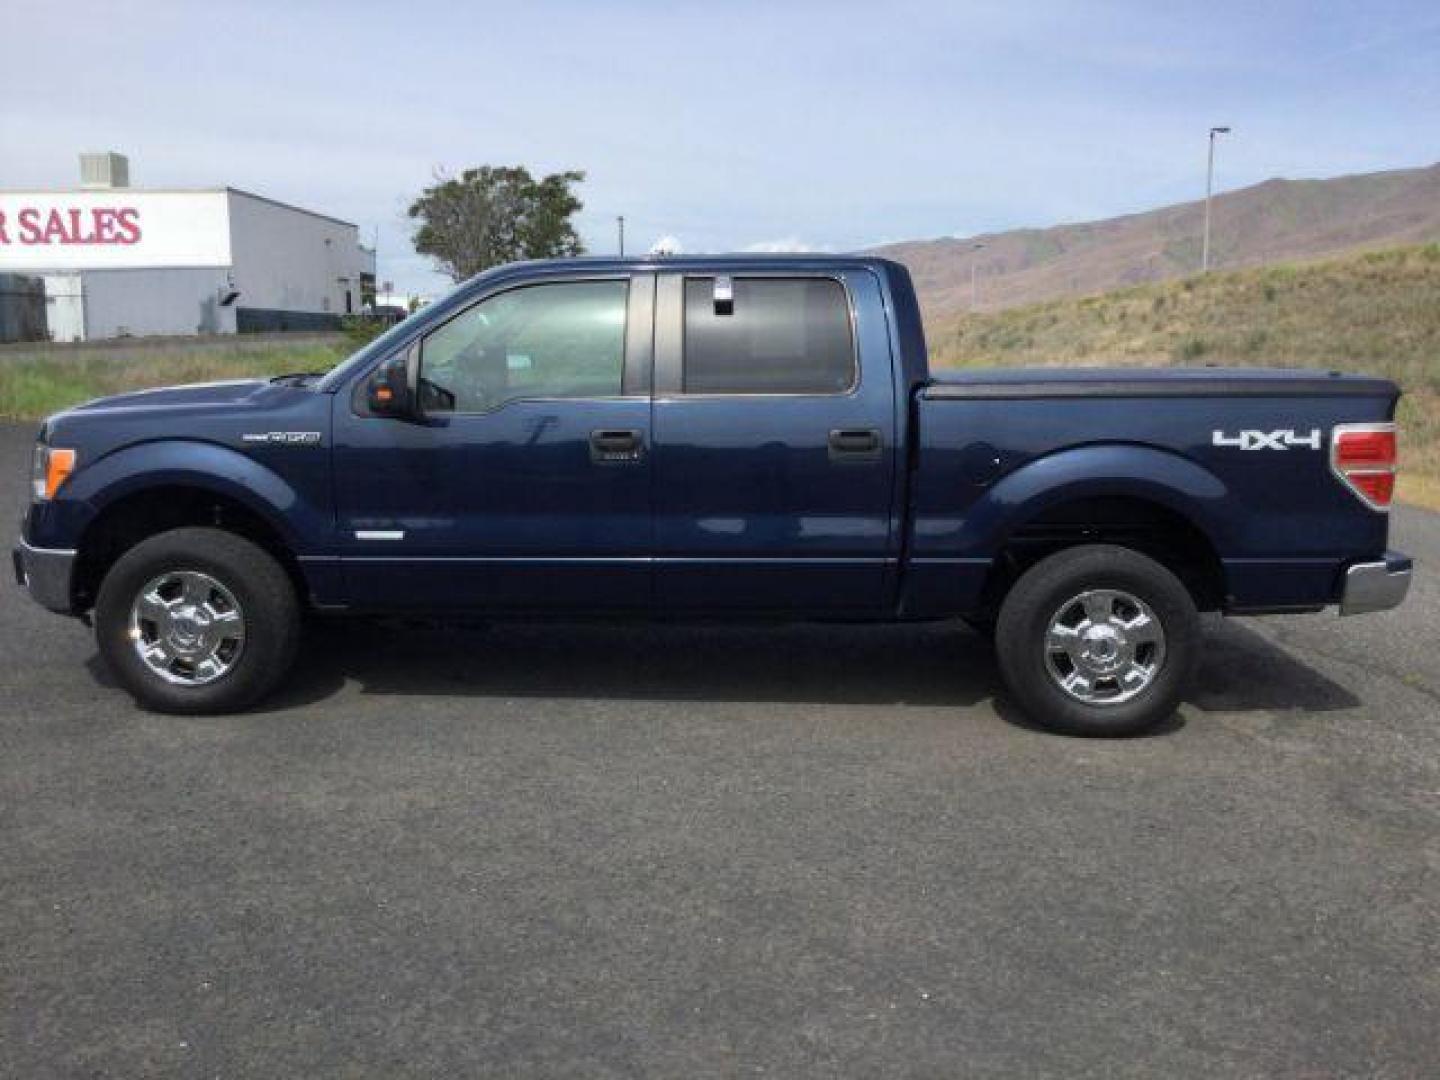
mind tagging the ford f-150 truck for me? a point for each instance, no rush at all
(743, 437)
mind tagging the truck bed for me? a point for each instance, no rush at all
(1239, 455)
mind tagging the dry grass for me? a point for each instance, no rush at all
(1377, 313)
(36, 380)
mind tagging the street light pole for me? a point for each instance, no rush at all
(620, 221)
(974, 265)
(1209, 185)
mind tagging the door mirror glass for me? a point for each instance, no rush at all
(389, 391)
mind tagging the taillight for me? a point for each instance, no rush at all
(1364, 456)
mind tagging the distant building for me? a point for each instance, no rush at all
(120, 261)
(408, 301)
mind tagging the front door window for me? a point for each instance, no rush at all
(563, 340)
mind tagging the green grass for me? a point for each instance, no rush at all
(36, 380)
(1377, 313)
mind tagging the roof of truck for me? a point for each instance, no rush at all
(798, 260)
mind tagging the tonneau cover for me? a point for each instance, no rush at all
(1150, 382)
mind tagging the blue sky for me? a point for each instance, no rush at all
(725, 123)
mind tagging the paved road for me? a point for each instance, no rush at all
(722, 852)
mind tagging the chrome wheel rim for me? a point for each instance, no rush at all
(1104, 647)
(187, 628)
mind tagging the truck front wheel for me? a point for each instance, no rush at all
(1098, 640)
(197, 620)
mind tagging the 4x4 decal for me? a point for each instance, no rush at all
(1283, 439)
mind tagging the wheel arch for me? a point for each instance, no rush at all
(149, 510)
(150, 487)
(1155, 502)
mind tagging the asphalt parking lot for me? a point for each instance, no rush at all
(721, 851)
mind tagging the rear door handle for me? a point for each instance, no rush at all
(616, 446)
(855, 444)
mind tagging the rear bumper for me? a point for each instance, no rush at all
(1376, 586)
(45, 573)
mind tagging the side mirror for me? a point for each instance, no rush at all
(393, 388)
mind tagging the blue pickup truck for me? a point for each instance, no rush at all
(732, 437)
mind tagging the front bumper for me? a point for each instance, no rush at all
(1376, 586)
(45, 573)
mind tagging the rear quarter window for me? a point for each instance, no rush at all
(779, 336)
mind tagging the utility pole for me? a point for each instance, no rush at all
(620, 222)
(974, 265)
(375, 284)
(1209, 185)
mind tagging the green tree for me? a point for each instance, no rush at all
(496, 214)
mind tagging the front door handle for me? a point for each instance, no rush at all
(616, 446)
(855, 444)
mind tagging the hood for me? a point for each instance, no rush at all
(230, 392)
(221, 412)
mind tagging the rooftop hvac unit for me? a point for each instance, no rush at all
(107, 170)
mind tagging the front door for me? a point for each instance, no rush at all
(527, 484)
(775, 449)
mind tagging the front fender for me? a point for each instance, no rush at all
(1107, 469)
(188, 463)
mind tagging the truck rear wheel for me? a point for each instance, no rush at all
(1098, 640)
(197, 620)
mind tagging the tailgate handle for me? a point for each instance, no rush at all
(855, 444)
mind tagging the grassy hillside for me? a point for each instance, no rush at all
(36, 380)
(1377, 312)
(1253, 226)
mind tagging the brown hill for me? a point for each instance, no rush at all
(1273, 221)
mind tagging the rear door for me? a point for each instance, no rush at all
(527, 484)
(775, 443)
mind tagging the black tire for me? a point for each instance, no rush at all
(1035, 599)
(258, 584)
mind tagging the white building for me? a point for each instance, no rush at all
(120, 261)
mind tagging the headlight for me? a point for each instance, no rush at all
(50, 467)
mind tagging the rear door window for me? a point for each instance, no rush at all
(773, 336)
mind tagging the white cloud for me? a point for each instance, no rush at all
(783, 245)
